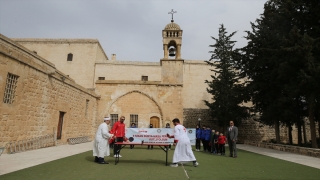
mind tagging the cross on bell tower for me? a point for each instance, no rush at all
(172, 12)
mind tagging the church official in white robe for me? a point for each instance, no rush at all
(101, 143)
(183, 151)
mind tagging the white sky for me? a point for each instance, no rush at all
(132, 29)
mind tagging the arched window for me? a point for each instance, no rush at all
(70, 56)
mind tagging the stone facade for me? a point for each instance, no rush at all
(144, 100)
(75, 77)
(85, 53)
(41, 94)
(191, 118)
(249, 130)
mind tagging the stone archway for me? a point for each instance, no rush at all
(138, 105)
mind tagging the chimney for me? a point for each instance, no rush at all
(113, 57)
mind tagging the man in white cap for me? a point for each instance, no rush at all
(101, 143)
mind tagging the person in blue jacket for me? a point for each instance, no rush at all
(207, 138)
(198, 138)
(203, 135)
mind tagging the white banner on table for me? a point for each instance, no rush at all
(156, 135)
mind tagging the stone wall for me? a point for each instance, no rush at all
(194, 87)
(249, 129)
(86, 52)
(41, 93)
(145, 100)
(128, 70)
(287, 148)
(191, 117)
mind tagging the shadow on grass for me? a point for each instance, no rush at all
(130, 161)
(90, 158)
(142, 161)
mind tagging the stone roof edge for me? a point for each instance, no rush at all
(128, 82)
(195, 62)
(55, 73)
(141, 63)
(73, 84)
(157, 83)
(26, 50)
(99, 45)
(61, 41)
(56, 40)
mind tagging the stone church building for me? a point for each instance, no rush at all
(144, 92)
(67, 86)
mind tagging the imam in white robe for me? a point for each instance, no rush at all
(183, 151)
(101, 143)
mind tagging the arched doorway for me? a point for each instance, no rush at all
(137, 104)
(155, 121)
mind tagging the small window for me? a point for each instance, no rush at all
(144, 78)
(10, 90)
(114, 118)
(70, 56)
(134, 119)
(101, 78)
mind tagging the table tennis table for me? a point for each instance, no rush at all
(163, 146)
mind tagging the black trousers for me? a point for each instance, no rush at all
(232, 147)
(117, 146)
(208, 146)
(204, 143)
(216, 145)
(222, 149)
(198, 144)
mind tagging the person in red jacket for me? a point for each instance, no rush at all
(119, 131)
(221, 143)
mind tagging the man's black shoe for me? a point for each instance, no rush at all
(103, 162)
(96, 159)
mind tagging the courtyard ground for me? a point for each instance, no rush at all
(76, 162)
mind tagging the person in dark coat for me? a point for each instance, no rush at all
(198, 138)
(150, 146)
(203, 138)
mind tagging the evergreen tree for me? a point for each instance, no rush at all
(225, 86)
(282, 60)
(259, 64)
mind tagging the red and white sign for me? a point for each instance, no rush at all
(156, 135)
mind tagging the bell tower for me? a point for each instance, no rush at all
(172, 39)
(172, 64)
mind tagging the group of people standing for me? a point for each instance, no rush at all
(214, 141)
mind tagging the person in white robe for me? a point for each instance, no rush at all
(101, 142)
(183, 151)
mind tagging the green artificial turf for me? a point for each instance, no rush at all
(140, 163)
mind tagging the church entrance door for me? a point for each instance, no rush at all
(155, 121)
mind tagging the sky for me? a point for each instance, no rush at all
(131, 29)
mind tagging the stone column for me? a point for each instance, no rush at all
(165, 49)
(178, 51)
